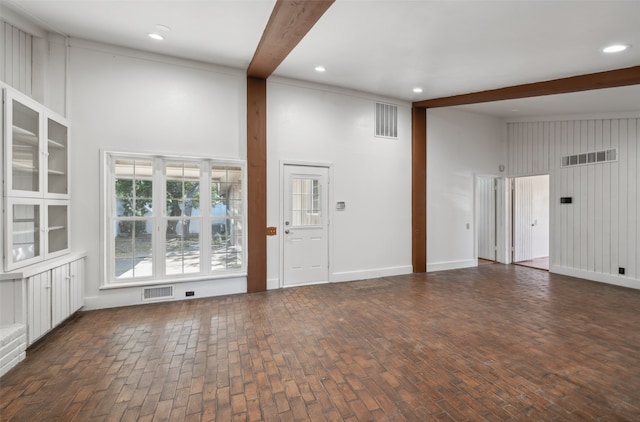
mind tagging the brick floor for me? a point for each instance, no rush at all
(489, 343)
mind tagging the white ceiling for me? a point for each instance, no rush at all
(388, 47)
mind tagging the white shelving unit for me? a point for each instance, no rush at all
(36, 158)
(41, 282)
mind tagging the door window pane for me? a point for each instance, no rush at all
(26, 232)
(26, 148)
(57, 157)
(305, 202)
(57, 229)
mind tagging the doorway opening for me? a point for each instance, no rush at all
(530, 221)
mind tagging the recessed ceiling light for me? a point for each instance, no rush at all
(320, 69)
(615, 48)
(156, 36)
(163, 27)
(417, 90)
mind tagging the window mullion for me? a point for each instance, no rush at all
(159, 195)
(205, 215)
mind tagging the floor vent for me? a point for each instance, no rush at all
(156, 293)
(586, 158)
(386, 120)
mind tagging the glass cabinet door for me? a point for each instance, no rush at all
(23, 238)
(57, 157)
(57, 229)
(23, 145)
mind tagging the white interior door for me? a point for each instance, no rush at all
(531, 218)
(305, 225)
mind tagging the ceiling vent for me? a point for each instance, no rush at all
(157, 293)
(594, 157)
(386, 120)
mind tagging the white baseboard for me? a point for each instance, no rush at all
(599, 277)
(273, 283)
(127, 296)
(339, 277)
(451, 265)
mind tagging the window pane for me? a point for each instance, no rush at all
(182, 189)
(185, 222)
(226, 244)
(305, 202)
(133, 188)
(226, 183)
(182, 243)
(133, 249)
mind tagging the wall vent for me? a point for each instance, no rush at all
(594, 157)
(386, 120)
(156, 293)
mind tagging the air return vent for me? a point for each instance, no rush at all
(156, 293)
(386, 120)
(594, 157)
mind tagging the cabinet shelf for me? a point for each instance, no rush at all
(24, 168)
(24, 135)
(19, 232)
(57, 172)
(52, 228)
(55, 144)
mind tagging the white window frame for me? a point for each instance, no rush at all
(160, 218)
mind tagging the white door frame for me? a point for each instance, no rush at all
(513, 222)
(330, 213)
(503, 242)
(476, 233)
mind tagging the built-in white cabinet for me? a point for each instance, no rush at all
(36, 149)
(52, 296)
(42, 283)
(36, 182)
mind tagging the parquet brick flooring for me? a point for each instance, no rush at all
(490, 343)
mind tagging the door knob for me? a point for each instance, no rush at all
(286, 231)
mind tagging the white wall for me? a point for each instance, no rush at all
(33, 60)
(599, 231)
(15, 51)
(124, 100)
(460, 145)
(317, 124)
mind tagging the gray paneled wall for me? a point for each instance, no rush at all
(16, 52)
(599, 231)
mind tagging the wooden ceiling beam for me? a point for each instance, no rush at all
(290, 21)
(609, 79)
